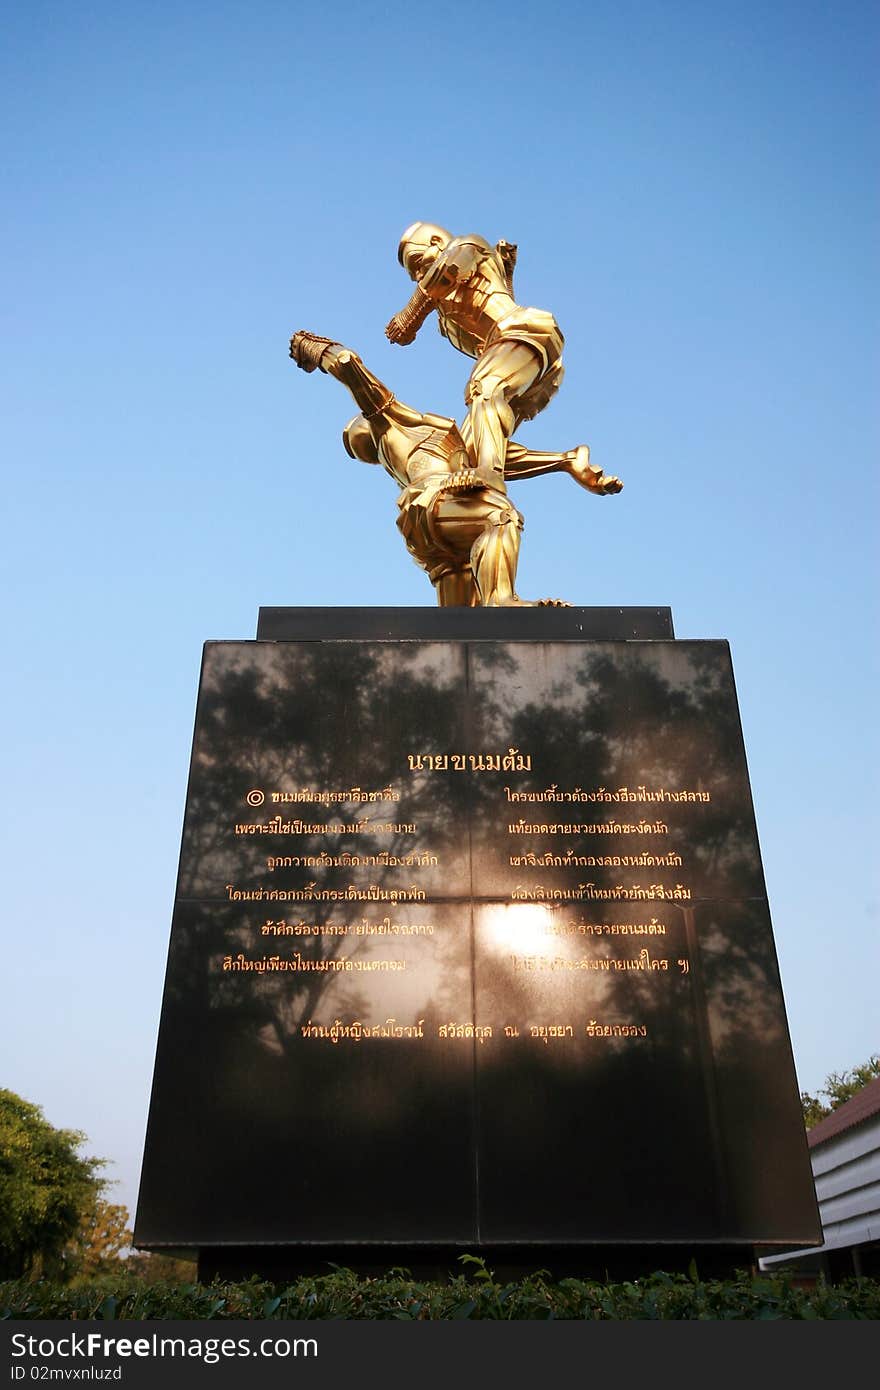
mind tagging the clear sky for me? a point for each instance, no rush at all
(693, 189)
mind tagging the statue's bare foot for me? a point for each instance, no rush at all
(514, 602)
(590, 477)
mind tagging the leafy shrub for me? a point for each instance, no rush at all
(474, 1293)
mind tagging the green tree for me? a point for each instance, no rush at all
(814, 1110)
(154, 1268)
(840, 1086)
(101, 1241)
(46, 1188)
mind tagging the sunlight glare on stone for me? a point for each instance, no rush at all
(523, 928)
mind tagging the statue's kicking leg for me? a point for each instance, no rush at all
(530, 463)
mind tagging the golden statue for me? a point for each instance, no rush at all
(455, 515)
(518, 351)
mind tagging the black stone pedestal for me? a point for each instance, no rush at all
(471, 952)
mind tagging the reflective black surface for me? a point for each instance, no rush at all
(471, 947)
(464, 624)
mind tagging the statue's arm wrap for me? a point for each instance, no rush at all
(307, 349)
(312, 352)
(506, 252)
(413, 314)
(451, 268)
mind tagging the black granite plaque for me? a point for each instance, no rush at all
(471, 949)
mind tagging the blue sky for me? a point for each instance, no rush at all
(693, 190)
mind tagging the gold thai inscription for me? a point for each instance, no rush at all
(530, 860)
(465, 1032)
(312, 893)
(615, 1030)
(546, 1032)
(327, 798)
(652, 928)
(337, 1031)
(643, 961)
(358, 935)
(320, 965)
(625, 794)
(589, 891)
(366, 826)
(386, 927)
(602, 827)
(511, 761)
(346, 860)
(280, 928)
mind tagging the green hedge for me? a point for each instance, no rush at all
(472, 1294)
